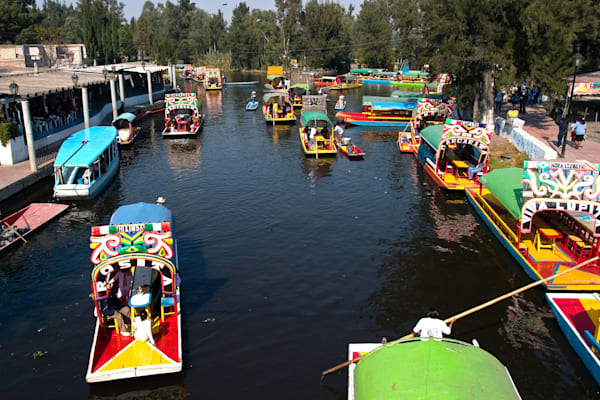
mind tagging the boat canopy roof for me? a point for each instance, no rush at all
(432, 369)
(140, 213)
(390, 103)
(300, 86)
(329, 78)
(433, 135)
(308, 116)
(406, 93)
(362, 70)
(83, 147)
(125, 116)
(348, 77)
(433, 96)
(272, 95)
(416, 74)
(384, 73)
(272, 77)
(506, 184)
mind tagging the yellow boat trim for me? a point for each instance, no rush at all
(574, 280)
(136, 354)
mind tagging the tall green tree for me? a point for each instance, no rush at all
(374, 28)
(289, 17)
(15, 16)
(326, 40)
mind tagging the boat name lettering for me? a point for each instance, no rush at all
(535, 205)
(463, 140)
(131, 228)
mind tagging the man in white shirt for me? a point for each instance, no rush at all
(432, 326)
(142, 328)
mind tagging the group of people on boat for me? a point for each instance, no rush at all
(117, 307)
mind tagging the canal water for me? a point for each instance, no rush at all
(284, 261)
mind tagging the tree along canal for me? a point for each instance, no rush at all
(284, 261)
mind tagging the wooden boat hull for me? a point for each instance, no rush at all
(573, 281)
(209, 88)
(28, 220)
(577, 313)
(323, 152)
(182, 133)
(344, 86)
(124, 140)
(352, 151)
(119, 357)
(448, 181)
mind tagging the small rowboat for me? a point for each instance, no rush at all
(25, 221)
(340, 104)
(252, 106)
(126, 132)
(348, 148)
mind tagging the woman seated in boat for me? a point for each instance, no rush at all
(142, 328)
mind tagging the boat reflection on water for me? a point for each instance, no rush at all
(184, 153)
(276, 131)
(213, 100)
(165, 388)
(316, 169)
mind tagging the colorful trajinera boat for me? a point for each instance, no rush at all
(379, 77)
(578, 317)
(183, 115)
(422, 368)
(427, 113)
(545, 215)
(25, 221)
(126, 132)
(139, 247)
(212, 79)
(347, 81)
(324, 81)
(380, 111)
(297, 91)
(456, 153)
(277, 108)
(199, 74)
(86, 162)
(316, 130)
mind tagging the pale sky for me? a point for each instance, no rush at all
(133, 8)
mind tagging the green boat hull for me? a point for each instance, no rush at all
(431, 369)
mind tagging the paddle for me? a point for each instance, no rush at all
(15, 231)
(471, 310)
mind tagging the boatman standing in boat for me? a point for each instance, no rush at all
(339, 131)
(432, 326)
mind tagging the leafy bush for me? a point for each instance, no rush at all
(8, 131)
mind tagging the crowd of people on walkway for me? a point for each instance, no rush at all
(522, 95)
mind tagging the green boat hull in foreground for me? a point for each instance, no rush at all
(427, 369)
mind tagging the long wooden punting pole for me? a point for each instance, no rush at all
(473, 310)
(15, 231)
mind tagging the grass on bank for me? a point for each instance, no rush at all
(504, 155)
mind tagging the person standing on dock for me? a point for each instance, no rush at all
(432, 326)
(562, 130)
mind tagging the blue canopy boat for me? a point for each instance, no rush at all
(86, 162)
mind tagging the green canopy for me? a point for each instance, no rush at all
(506, 185)
(308, 116)
(300, 86)
(384, 73)
(416, 74)
(270, 95)
(125, 116)
(433, 135)
(433, 96)
(432, 369)
(272, 77)
(348, 77)
(362, 70)
(404, 93)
